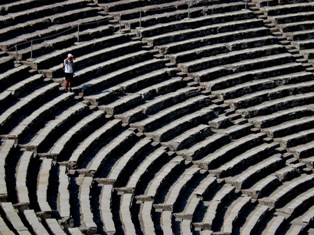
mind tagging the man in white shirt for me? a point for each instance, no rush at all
(68, 66)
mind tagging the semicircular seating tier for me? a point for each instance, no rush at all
(186, 117)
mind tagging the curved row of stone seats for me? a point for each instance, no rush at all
(233, 214)
(255, 219)
(140, 63)
(96, 165)
(295, 22)
(285, 102)
(284, 115)
(161, 181)
(54, 227)
(133, 183)
(87, 222)
(108, 223)
(222, 77)
(23, 168)
(166, 13)
(66, 144)
(13, 218)
(304, 150)
(261, 83)
(192, 23)
(230, 58)
(299, 204)
(154, 104)
(6, 149)
(66, 41)
(289, 127)
(295, 139)
(241, 161)
(194, 202)
(46, 21)
(11, 6)
(251, 99)
(118, 174)
(86, 54)
(12, 76)
(168, 114)
(106, 213)
(306, 217)
(95, 140)
(59, 33)
(227, 75)
(254, 173)
(217, 158)
(214, 140)
(136, 185)
(37, 10)
(139, 88)
(44, 208)
(271, 182)
(176, 196)
(275, 224)
(4, 229)
(212, 50)
(205, 40)
(54, 128)
(287, 191)
(184, 34)
(214, 209)
(63, 196)
(35, 224)
(16, 125)
(288, 8)
(121, 6)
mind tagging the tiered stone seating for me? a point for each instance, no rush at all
(44, 209)
(55, 127)
(52, 27)
(254, 219)
(13, 217)
(107, 168)
(161, 178)
(80, 153)
(34, 222)
(173, 112)
(54, 227)
(105, 209)
(5, 149)
(87, 221)
(63, 201)
(119, 169)
(50, 64)
(95, 166)
(84, 127)
(214, 207)
(34, 119)
(172, 198)
(295, 22)
(298, 205)
(240, 162)
(22, 169)
(282, 194)
(233, 213)
(254, 173)
(223, 155)
(4, 229)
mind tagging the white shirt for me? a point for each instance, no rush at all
(68, 66)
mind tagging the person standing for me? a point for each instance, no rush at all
(68, 67)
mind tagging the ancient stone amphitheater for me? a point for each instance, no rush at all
(186, 117)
